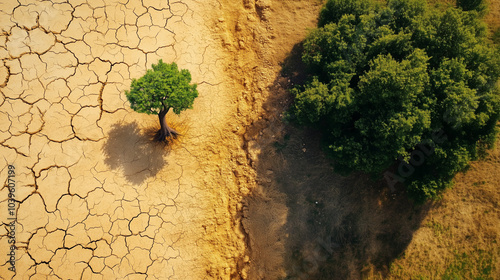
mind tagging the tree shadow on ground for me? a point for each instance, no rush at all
(306, 222)
(132, 150)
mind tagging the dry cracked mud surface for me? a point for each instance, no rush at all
(95, 198)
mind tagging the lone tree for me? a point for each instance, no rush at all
(162, 88)
(385, 80)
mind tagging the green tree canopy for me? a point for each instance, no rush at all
(162, 88)
(385, 79)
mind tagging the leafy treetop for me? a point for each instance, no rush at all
(162, 88)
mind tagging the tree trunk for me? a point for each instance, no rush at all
(165, 131)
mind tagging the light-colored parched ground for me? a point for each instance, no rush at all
(96, 199)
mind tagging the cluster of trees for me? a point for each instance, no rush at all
(386, 79)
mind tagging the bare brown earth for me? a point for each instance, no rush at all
(241, 194)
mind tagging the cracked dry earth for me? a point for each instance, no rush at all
(95, 198)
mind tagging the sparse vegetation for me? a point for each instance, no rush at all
(383, 84)
(162, 88)
(474, 265)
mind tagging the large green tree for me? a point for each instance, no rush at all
(400, 81)
(162, 88)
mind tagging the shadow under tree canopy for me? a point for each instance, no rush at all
(129, 149)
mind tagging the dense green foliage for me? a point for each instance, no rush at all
(162, 88)
(402, 81)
